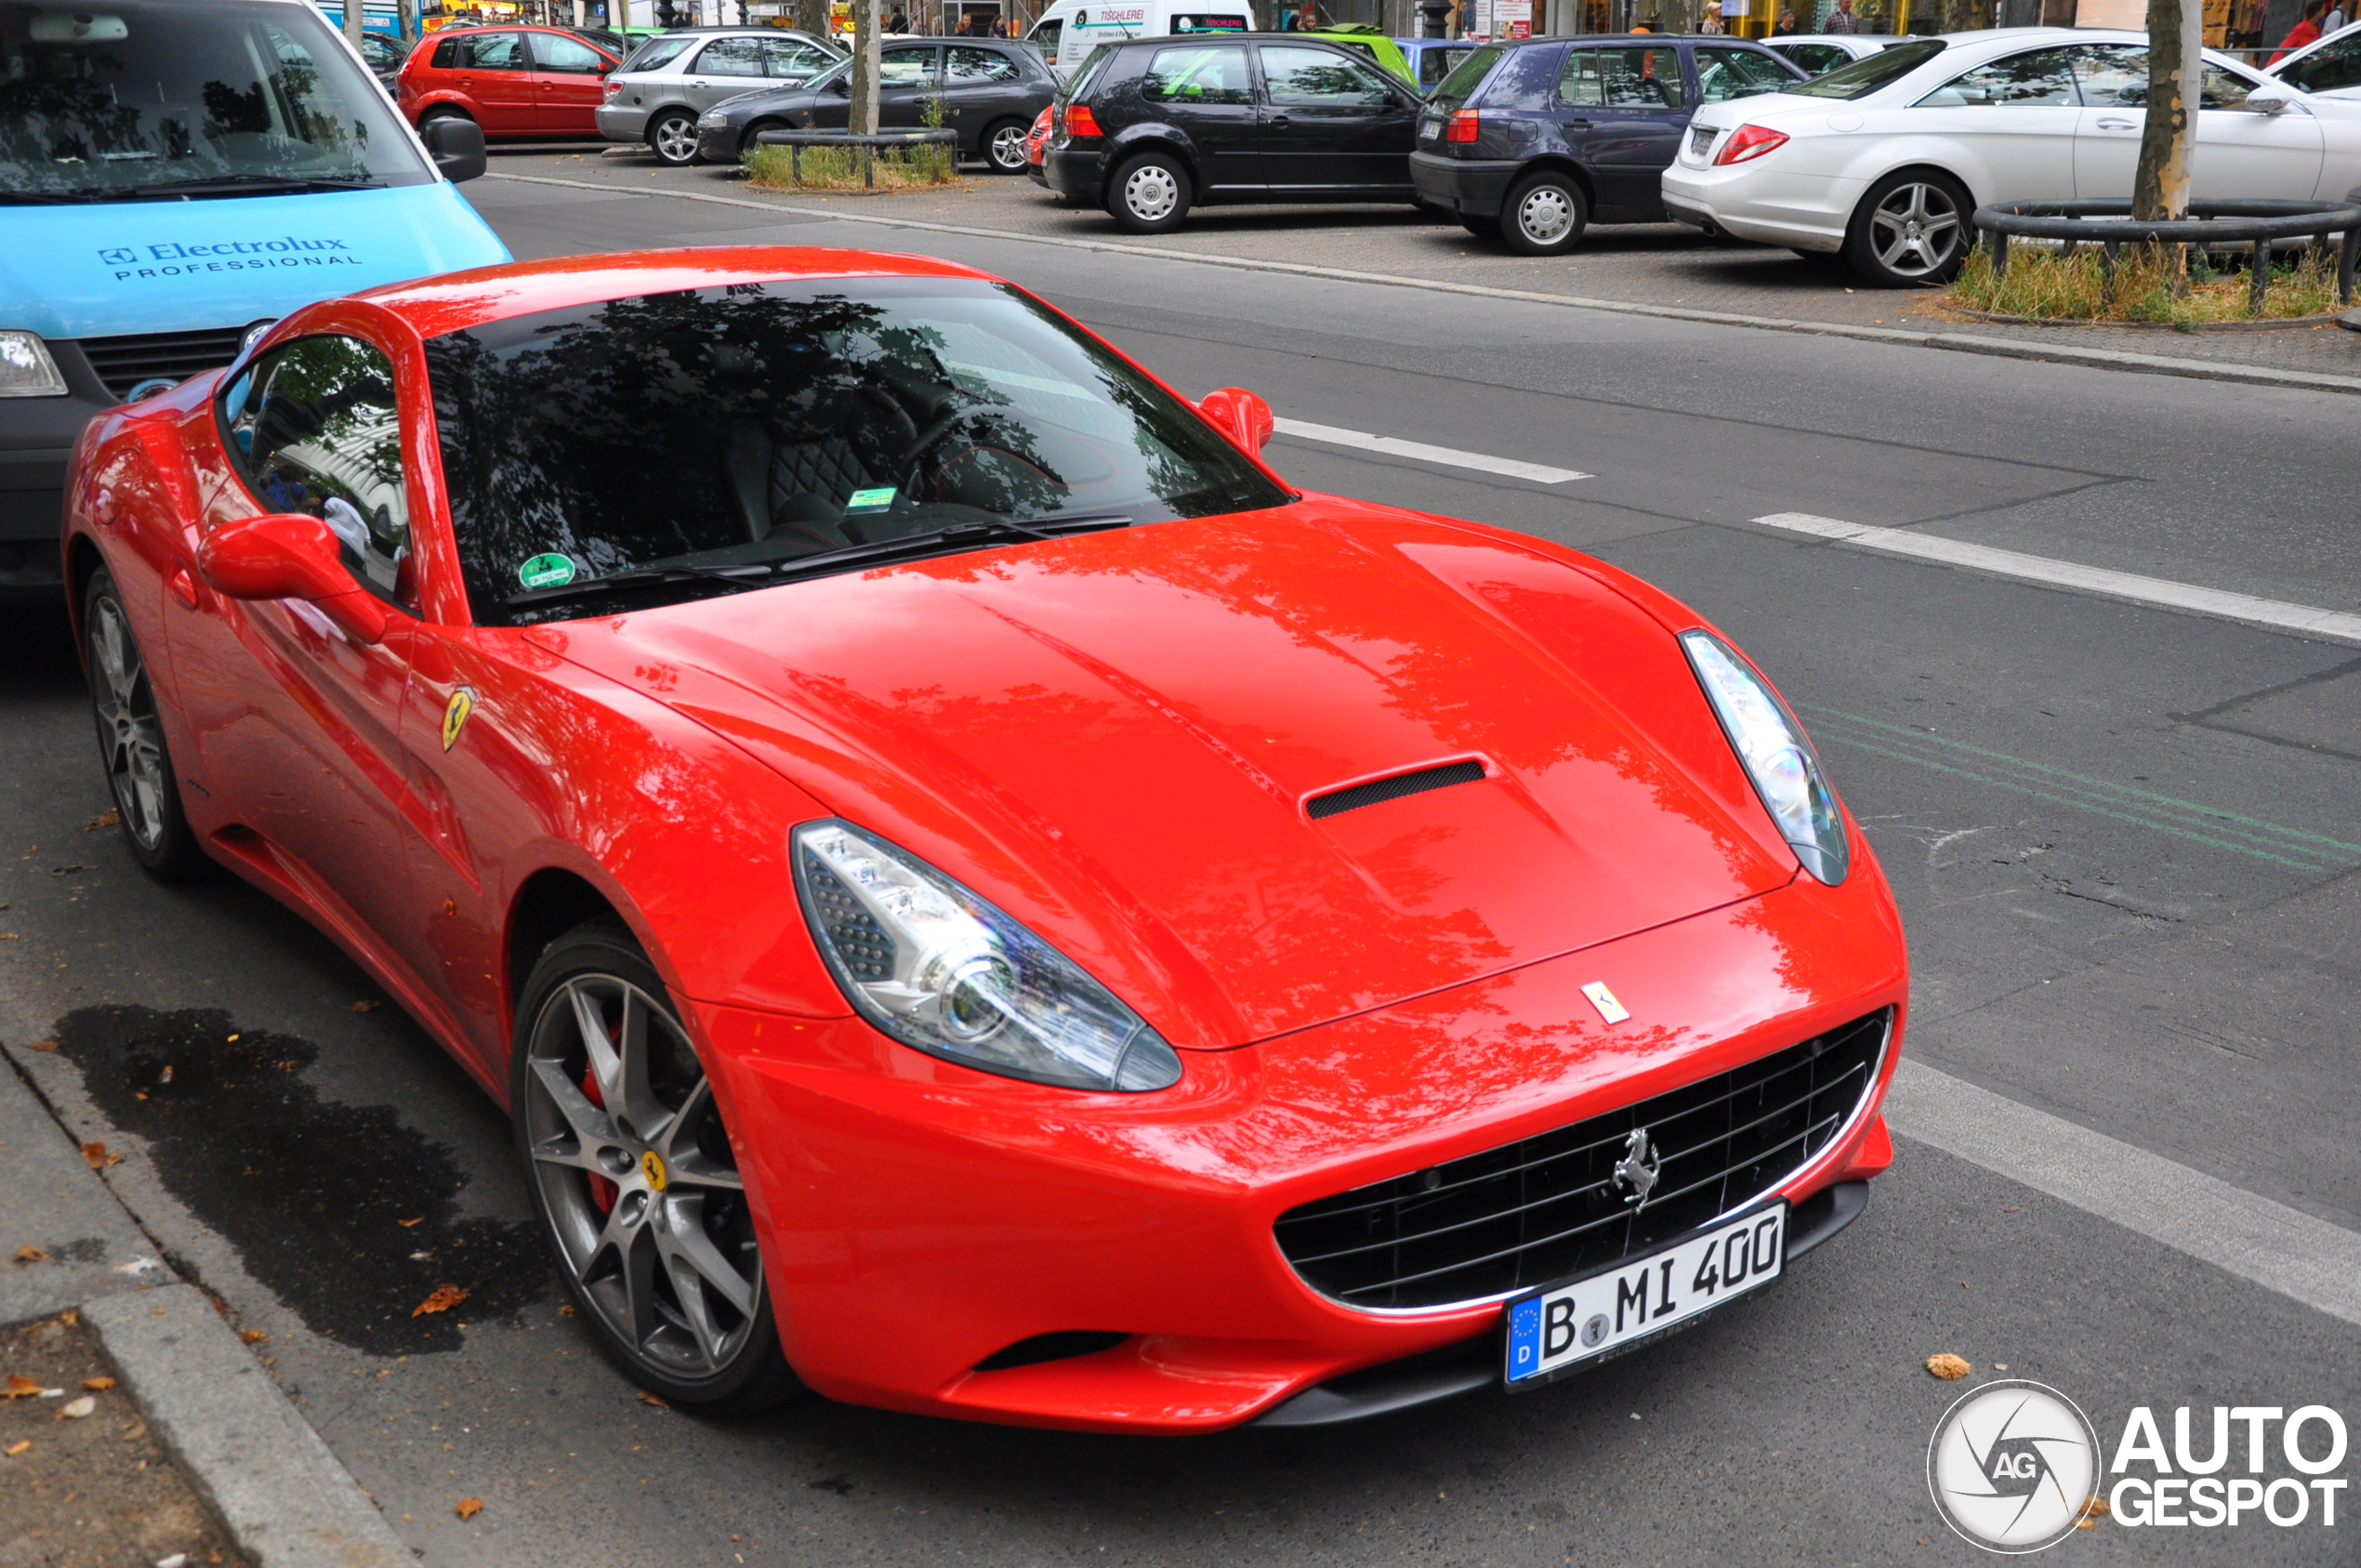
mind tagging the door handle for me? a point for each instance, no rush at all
(2119, 124)
(1577, 124)
(1281, 121)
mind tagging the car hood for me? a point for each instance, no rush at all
(763, 100)
(1114, 736)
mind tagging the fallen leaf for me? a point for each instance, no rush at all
(366, 1007)
(657, 1400)
(103, 820)
(1948, 1367)
(251, 1336)
(30, 1254)
(95, 1155)
(10, 936)
(75, 1409)
(444, 1297)
(2097, 1507)
(41, 1045)
(2085, 1523)
(16, 1448)
(405, 1224)
(469, 1508)
(566, 1310)
(22, 1387)
(98, 1385)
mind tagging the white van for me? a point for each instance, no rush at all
(1069, 30)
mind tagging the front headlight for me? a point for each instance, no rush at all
(713, 119)
(26, 369)
(943, 971)
(1777, 756)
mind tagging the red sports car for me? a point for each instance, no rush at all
(980, 898)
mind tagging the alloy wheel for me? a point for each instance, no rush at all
(1545, 216)
(676, 138)
(1007, 148)
(1150, 193)
(1915, 229)
(637, 1179)
(129, 736)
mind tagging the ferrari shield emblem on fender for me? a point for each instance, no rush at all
(455, 716)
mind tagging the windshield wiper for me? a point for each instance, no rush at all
(245, 185)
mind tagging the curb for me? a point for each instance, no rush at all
(1959, 342)
(284, 1498)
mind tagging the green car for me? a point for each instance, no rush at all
(1372, 44)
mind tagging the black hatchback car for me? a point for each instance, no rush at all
(992, 91)
(1534, 141)
(1150, 127)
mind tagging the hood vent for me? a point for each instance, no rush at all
(1417, 781)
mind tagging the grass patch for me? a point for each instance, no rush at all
(839, 168)
(2075, 287)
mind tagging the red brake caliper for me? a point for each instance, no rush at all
(602, 1191)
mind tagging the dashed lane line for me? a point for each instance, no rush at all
(2329, 626)
(1418, 451)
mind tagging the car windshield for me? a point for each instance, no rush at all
(1870, 72)
(658, 51)
(171, 98)
(686, 436)
(1466, 78)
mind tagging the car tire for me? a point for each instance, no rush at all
(1003, 146)
(1545, 215)
(633, 1176)
(1910, 231)
(747, 143)
(672, 137)
(1150, 194)
(131, 742)
(443, 111)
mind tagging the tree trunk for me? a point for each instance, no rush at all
(2176, 33)
(352, 21)
(812, 16)
(865, 22)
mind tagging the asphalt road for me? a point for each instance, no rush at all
(2124, 841)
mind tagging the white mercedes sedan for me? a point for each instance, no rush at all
(1885, 160)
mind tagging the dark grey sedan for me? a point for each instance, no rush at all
(992, 89)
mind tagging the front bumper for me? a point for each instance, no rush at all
(719, 144)
(1463, 186)
(622, 122)
(918, 1218)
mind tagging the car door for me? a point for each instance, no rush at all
(724, 68)
(908, 74)
(1206, 91)
(1332, 124)
(2238, 152)
(496, 75)
(980, 87)
(299, 724)
(2016, 121)
(569, 79)
(1636, 105)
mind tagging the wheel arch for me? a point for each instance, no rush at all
(83, 562)
(1156, 139)
(549, 903)
(1911, 167)
(1557, 163)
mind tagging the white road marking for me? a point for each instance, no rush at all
(2279, 1248)
(1539, 473)
(2332, 626)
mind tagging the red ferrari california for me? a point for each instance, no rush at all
(979, 897)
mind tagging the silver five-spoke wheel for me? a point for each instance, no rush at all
(1916, 230)
(675, 138)
(1006, 147)
(129, 737)
(638, 1180)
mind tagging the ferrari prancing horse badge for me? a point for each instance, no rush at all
(455, 716)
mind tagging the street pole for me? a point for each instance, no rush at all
(2161, 187)
(352, 21)
(863, 119)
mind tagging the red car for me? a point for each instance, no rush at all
(979, 897)
(518, 83)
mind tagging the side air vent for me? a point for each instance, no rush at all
(1064, 1345)
(1394, 788)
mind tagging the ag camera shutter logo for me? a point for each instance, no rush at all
(2011, 1465)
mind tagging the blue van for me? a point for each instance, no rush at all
(175, 175)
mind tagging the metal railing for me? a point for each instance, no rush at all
(2109, 225)
(795, 141)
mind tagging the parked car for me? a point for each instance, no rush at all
(949, 866)
(1819, 53)
(517, 83)
(669, 81)
(992, 90)
(1069, 30)
(182, 229)
(1162, 125)
(1430, 60)
(1370, 43)
(2328, 68)
(1533, 142)
(1037, 143)
(1886, 159)
(384, 58)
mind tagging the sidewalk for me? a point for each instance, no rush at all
(1644, 265)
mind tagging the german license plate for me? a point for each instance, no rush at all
(1560, 1326)
(1701, 139)
(1430, 130)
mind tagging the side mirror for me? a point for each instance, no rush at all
(2261, 104)
(457, 145)
(289, 555)
(1239, 415)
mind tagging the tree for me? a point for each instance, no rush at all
(864, 113)
(2160, 190)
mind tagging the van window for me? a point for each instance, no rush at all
(188, 98)
(1045, 38)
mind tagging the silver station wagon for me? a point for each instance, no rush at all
(674, 77)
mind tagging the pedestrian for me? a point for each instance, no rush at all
(2302, 33)
(1713, 23)
(1786, 27)
(999, 27)
(897, 24)
(1842, 19)
(2334, 20)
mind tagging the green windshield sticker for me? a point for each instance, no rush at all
(869, 500)
(551, 570)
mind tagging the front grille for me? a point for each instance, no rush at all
(123, 363)
(1548, 1208)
